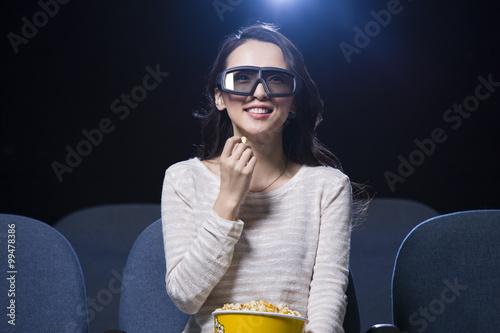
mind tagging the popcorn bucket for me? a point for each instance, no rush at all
(227, 321)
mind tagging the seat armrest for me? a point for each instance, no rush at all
(383, 328)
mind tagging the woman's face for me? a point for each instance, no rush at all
(258, 115)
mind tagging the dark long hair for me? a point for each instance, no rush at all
(300, 143)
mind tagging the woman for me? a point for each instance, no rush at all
(263, 212)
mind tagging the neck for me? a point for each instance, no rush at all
(271, 164)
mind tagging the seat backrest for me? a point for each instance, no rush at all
(42, 284)
(102, 237)
(446, 275)
(374, 247)
(145, 305)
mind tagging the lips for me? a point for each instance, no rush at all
(259, 110)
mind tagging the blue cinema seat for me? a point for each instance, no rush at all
(145, 305)
(102, 237)
(44, 287)
(374, 246)
(447, 275)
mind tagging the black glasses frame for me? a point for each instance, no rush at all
(221, 81)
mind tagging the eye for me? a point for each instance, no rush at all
(276, 79)
(241, 77)
(244, 76)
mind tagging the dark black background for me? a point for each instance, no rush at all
(396, 90)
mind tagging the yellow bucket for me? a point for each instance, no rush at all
(227, 321)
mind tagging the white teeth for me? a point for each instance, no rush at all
(258, 110)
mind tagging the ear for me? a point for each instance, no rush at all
(293, 109)
(219, 101)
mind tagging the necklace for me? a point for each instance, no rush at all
(274, 181)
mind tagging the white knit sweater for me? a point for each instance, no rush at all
(289, 245)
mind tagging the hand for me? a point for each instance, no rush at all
(237, 163)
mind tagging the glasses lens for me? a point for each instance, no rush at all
(243, 81)
(279, 82)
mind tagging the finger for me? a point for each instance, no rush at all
(251, 163)
(245, 164)
(240, 161)
(246, 155)
(240, 149)
(236, 145)
(230, 146)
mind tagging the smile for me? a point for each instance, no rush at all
(259, 110)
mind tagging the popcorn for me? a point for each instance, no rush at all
(261, 306)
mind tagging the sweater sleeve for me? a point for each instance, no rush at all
(198, 253)
(327, 300)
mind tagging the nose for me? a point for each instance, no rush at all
(260, 92)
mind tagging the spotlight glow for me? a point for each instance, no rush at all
(283, 2)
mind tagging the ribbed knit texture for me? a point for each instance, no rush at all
(289, 245)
